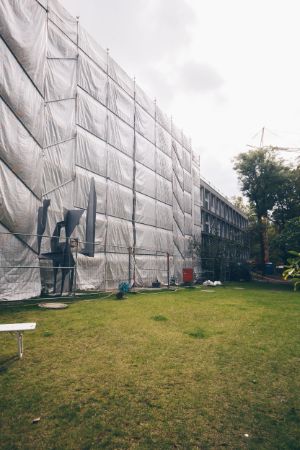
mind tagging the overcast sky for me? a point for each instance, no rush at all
(222, 69)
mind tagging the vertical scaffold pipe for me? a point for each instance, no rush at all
(129, 265)
(168, 269)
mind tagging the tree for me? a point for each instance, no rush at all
(239, 202)
(288, 239)
(287, 203)
(260, 173)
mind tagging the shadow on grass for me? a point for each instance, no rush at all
(5, 363)
(33, 304)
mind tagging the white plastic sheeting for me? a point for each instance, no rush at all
(18, 205)
(20, 94)
(58, 164)
(58, 45)
(91, 115)
(23, 27)
(92, 79)
(92, 49)
(17, 284)
(91, 153)
(59, 121)
(62, 19)
(60, 82)
(20, 151)
(70, 113)
(145, 152)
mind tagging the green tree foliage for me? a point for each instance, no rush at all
(273, 191)
(287, 239)
(287, 203)
(239, 202)
(293, 269)
(260, 173)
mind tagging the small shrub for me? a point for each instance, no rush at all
(197, 334)
(292, 270)
(159, 318)
(47, 333)
(120, 295)
(240, 272)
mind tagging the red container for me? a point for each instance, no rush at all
(187, 275)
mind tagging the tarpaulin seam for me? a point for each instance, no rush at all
(175, 151)
(59, 143)
(95, 173)
(116, 115)
(104, 140)
(145, 110)
(124, 185)
(52, 11)
(174, 193)
(58, 187)
(55, 24)
(112, 67)
(20, 179)
(105, 106)
(81, 50)
(175, 220)
(18, 118)
(163, 127)
(116, 148)
(20, 65)
(18, 236)
(94, 62)
(93, 134)
(41, 4)
(153, 226)
(174, 256)
(59, 100)
(178, 179)
(60, 58)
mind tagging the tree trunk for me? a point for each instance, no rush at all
(264, 241)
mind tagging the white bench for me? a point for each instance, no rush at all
(18, 328)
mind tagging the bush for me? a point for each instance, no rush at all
(292, 270)
(240, 272)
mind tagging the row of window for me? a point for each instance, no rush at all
(214, 204)
(212, 225)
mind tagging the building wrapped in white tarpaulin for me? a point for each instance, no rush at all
(69, 114)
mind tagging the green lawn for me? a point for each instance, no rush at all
(169, 370)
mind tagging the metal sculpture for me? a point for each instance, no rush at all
(61, 251)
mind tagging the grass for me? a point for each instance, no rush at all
(197, 333)
(159, 318)
(169, 370)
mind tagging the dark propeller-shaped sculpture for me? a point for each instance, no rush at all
(61, 252)
(42, 220)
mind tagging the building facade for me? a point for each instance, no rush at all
(97, 184)
(222, 222)
(85, 154)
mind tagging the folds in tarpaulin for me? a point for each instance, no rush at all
(70, 114)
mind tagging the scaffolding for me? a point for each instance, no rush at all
(69, 115)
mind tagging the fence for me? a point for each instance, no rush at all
(31, 265)
(215, 269)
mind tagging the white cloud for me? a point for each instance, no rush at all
(222, 69)
(199, 77)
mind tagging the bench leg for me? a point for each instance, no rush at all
(20, 344)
